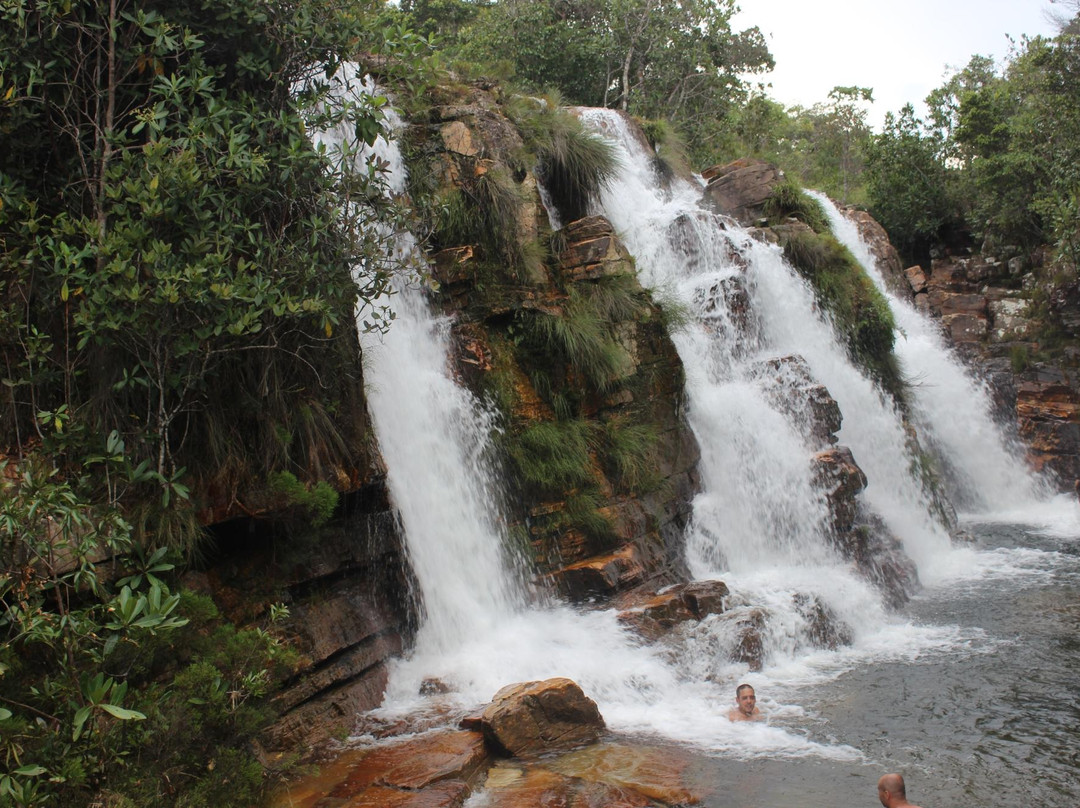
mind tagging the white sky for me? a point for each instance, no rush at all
(900, 48)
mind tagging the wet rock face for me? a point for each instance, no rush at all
(346, 590)
(740, 189)
(989, 319)
(885, 255)
(653, 615)
(502, 292)
(535, 717)
(789, 382)
(840, 477)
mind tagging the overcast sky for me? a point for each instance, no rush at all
(900, 48)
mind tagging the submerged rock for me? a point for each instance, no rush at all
(530, 718)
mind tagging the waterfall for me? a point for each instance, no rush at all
(433, 435)
(755, 468)
(759, 523)
(951, 407)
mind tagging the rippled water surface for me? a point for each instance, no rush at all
(994, 719)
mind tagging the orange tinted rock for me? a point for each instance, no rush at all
(656, 614)
(534, 717)
(658, 773)
(602, 575)
(515, 788)
(446, 794)
(416, 763)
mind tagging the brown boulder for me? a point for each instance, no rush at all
(748, 627)
(788, 382)
(823, 628)
(916, 278)
(655, 615)
(416, 763)
(839, 476)
(740, 189)
(602, 575)
(530, 718)
(446, 794)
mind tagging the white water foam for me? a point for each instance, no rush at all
(951, 406)
(480, 632)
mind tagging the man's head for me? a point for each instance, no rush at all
(745, 699)
(890, 788)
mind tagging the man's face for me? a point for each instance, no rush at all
(882, 794)
(746, 701)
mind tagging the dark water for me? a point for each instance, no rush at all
(994, 720)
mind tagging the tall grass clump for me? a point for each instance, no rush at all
(789, 201)
(573, 164)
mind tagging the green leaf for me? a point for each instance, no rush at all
(122, 713)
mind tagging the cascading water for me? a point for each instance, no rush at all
(433, 437)
(689, 252)
(759, 522)
(952, 408)
(480, 632)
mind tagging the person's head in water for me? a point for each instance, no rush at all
(745, 704)
(892, 792)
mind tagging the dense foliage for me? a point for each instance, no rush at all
(176, 305)
(678, 61)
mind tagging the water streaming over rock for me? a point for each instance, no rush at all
(952, 407)
(700, 257)
(759, 522)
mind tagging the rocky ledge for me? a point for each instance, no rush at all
(536, 744)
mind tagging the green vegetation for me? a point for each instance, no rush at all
(572, 163)
(176, 312)
(679, 62)
(789, 201)
(95, 702)
(319, 500)
(858, 309)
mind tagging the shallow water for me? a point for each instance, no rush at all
(991, 719)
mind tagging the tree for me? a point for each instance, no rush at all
(167, 229)
(907, 183)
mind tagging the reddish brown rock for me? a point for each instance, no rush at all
(945, 302)
(747, 625)
(965, 328)
(446, 794)
(416, 763)
(652, 616)
(540, 788)
(603, 575)
(788, 381)
(840, 477)
(535, 717)
(916, 278)
(740, 189)
(1049, 415)
(659, 773)
(823, 628)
